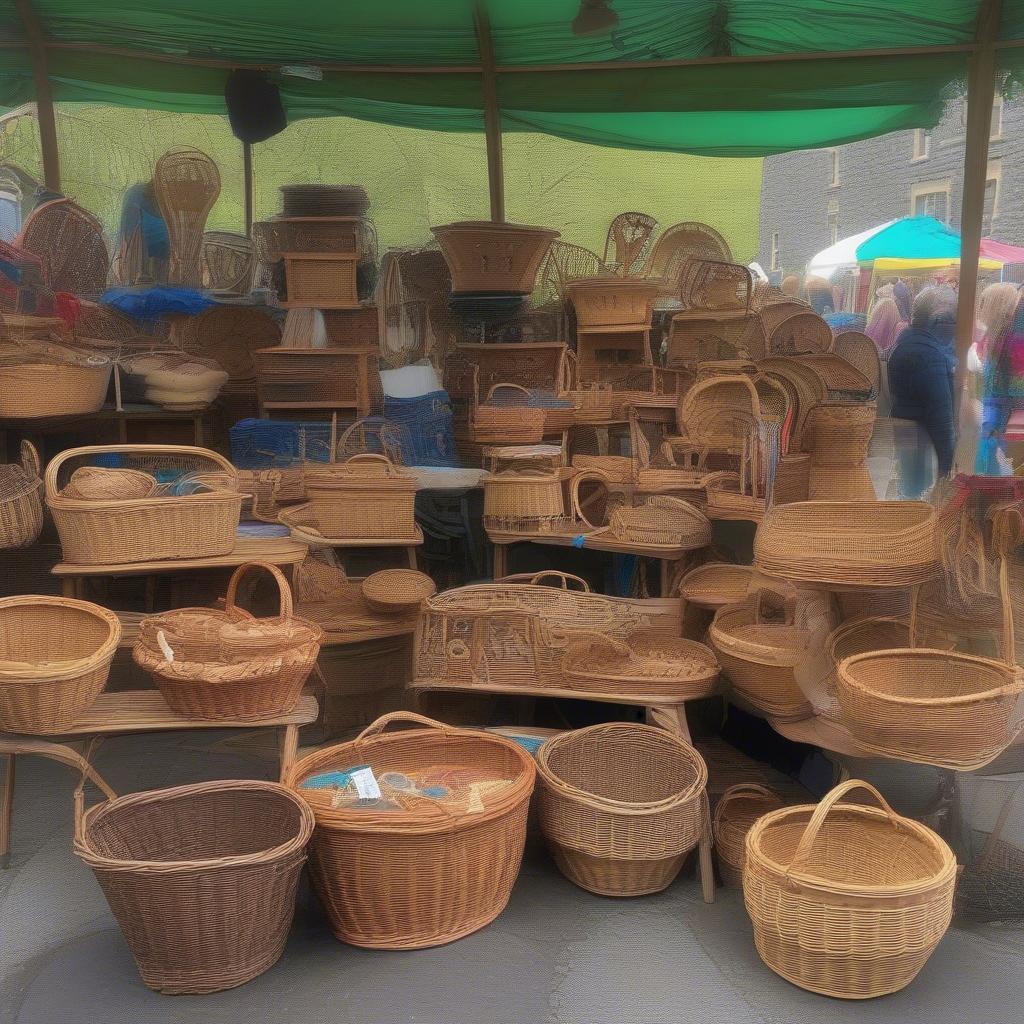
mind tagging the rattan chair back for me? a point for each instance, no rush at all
(680, 241)
(627, 242)
(228, 261)
(800, 333)
(70, 244)
(187, 184)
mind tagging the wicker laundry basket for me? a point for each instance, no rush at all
(847, 900)
(55, 656)
(21, 503)
(736, 811)
(200, 878)
(621, 806)
(420, 874)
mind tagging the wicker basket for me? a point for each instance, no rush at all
(116, 532)
(21, 503)
(201, 878)
(617, 469)
(647, 665)
(55, 655)
(505, 423)
(366, 497)
(613, 303)
(849, 543)
(847, 900)
(397, 591)
(621, 806)
(839, 434)
(760, 657)
(716, 584)
(323, 280)
(801, 333)
(662, 519)
(488, 256)
(737, 809)
(226, 666)
(513, 496)
(35, 390)
(423, 875)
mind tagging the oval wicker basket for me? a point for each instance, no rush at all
(488, 256)
(226, 665)
(200, 878)
(21, 502)
(55, 655)
(119, 531)
(395, 591)
(847, 900)
(613, 303)
(716, 584)
(621, 806)
(388, 880)
(35, 390)
(760, 658)
(647, 664)
(736, 811)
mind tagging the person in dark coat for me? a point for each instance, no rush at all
(921, 370)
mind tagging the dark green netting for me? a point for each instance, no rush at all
(769, 107)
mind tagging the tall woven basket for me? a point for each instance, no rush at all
(621, 806)
(422, 876)
(201, 878)
(847, 900)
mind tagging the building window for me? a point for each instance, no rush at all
(833, 156)
(833, 220)
(930, 199)
(922, 144)
(991, 209)
(776, 254)
(997, 118)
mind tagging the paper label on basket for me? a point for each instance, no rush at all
(164, 645)
(366, 783)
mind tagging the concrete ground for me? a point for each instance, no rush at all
(558, 955)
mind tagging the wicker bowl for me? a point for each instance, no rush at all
(35, 390)
(487, 256)
(716, 584)
(395, 591)
(621, 806)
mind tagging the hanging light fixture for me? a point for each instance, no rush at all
(595, 18)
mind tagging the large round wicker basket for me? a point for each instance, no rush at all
(847, 900)
(621, 806)
(201, 878)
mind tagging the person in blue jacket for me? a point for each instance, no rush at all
(921, 370)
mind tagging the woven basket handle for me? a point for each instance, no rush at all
(88, 773)
(30, 461)
(742, 789)
(371, 457)
(798, 865)
(574, 493)
(376, 728)
(516, 387)
(286, 608)
(563, 578)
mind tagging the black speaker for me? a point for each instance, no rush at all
(255, 110)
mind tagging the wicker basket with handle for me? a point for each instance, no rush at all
(200, 878)
(116, 532)
(228, 665)
(21, 503)
(737, 809)
(55, 655)
(494, 423)
(621, 806)
(388, 879)
(661, 519)
(847, 900)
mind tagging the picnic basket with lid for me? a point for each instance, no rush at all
(21, 503)
(196, 516)
(621, 806)
(847, 900)
(55, 655)
(201, 878)
(421, 866)
(395, 591)
(737, 809)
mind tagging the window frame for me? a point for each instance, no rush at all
(927, 188)
(922, 147)
(776, 256)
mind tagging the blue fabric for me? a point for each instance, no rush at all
(152, 303)
(265, 444)
(840, 322)
(429, 423)
(921, 369)
(139, 212)
(923, 238)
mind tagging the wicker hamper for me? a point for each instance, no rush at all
(847, 900)
(736, 811)
(200, 878)
(621, 806)
(21, 503)
(420, 874)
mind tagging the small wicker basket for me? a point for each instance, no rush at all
(736, 811)
(397, 591)
(21, 503)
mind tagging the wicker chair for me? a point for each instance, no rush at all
(227, 261)
(675, 244)
(69, 242)
(629, 238)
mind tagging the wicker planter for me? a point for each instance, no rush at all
(21, 502)
(616, 303)
(847, 900)
(488, 256)
(55, 656)
(201, 878)
(621, 806)
(388, 880)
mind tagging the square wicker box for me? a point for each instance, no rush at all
(320, 279)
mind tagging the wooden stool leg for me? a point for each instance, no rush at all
(704, 864)
(671, 719)
(500, 561)
(289, 748)
(411, 552)
(6, 812)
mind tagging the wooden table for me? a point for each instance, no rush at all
(667, 712)
(667, 555)
(129, 712)
(280, 551)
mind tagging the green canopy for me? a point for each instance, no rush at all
(417, 63)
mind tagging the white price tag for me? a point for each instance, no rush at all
(366, 784)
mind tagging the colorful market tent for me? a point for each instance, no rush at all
(841, 255)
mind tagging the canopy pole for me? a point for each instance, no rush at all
(981, 84)
(247, 186)
(44, 95)
(492, 114)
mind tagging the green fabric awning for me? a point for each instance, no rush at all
(735, 109)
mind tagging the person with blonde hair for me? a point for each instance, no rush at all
(999, 362)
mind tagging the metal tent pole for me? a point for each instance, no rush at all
(44, 95)
(492, 114)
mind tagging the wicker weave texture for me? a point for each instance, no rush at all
(839, 435)
(187, 184)
(200, 878)
(621, 806)
(612, 302)
(847, 900)
(736, 811)
(21, 502)
(397, 591)
(35, 390)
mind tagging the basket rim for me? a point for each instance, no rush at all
(1000, 667)
(294, 845)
